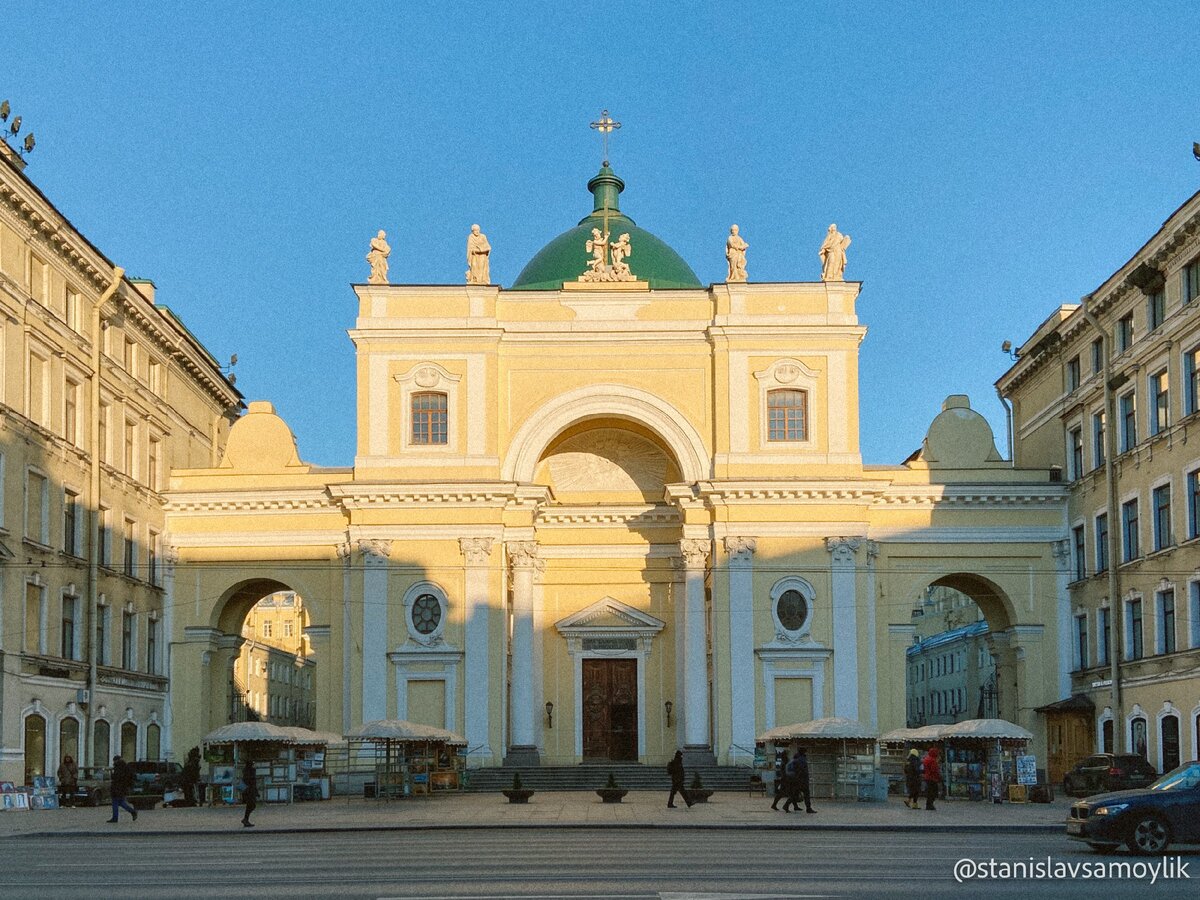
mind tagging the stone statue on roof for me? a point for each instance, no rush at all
(833, 255)
(478, 253)
(377, 256)
(735, 254)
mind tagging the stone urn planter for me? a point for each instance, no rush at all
(517, 793)
(611, 792)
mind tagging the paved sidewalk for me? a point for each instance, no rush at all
(547, 808)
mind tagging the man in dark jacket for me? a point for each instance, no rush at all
(675, 770)
(800, 786)
(122, 784)
(249, 792)
(783, 785)
(931, 774)
(191, 776)
(912, 778)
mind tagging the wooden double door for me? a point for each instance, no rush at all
(610, 709)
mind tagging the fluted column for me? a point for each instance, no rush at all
(476, 662)
(1062, 569)
(741, 643)
(522, 558)
(842, 551)
(375, 624)
(345, 552)
(695, 653)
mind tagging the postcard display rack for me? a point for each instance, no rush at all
(408, 769)
(967, 772)
(42, 794)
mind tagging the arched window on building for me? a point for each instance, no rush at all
(430, 419)
(787, 415)
(35, 747)
(68, 739)
(153, 742)
(129, 741)
(1106, 736)
(101, 743)
(1168, 742)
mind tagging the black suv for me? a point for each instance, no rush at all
(1108, 772)
(155, 777)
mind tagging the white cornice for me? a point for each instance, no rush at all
(575, 516)
(257, 501)
(446, 494)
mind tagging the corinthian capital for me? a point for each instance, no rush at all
(744, 547)
(344, 550)
(843, 548)
(375, 550)
(694, 552)
(522, 554)
(476, 550)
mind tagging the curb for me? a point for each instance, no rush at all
(530, 826)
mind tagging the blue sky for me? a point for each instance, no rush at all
(990, 161)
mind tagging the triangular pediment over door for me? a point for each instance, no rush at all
(609, 617)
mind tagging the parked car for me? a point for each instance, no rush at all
(94, 786)
(1108, 772)
(155, 777)
(1146, 821)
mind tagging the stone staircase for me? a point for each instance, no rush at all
(587, 777)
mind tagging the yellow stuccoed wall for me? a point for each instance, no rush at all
(540, 386)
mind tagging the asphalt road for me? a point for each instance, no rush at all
(543, 863)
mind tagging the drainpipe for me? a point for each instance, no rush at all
(93, 505)
(1008, 423)
(1116, 616)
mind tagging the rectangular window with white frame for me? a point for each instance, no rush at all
(71, 411)
(37, 507)
(152, 553)
(1125, 332)
(1078, 554)
(104, 535)
(1103, 636)
(35, 618)
(1102, 542)
(1194, 614)
(130, 444)
(152, 645)
(37, 391)
(1129, 530)
(103, 630)
(1097, 355)
(70, 627)
(1073, 373)
(130, 548)
(1161, 499)
(71, 523)
(1160, 402)
(1191, 281)
(1156, 308)
(1075, 451)
(1193, 502)
(1191, 381)
(1128, 421)
(128, 646)
(1134, 646)
(1165, 641)
(1098, 439)
(1081, 641)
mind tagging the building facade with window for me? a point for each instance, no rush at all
(593, 518)
(274, 678)
(1147, 313)
(951, 674)
(84, 647)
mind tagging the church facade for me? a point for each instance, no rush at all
(609, 512)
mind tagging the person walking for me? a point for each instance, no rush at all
(931, 774)
(800, 784)
(249, 792)
(912, 778)
(122, 783)
(68, 781)
(781, 783)
(675, 770)
(191, 776)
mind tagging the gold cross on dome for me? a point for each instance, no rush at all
(605, 125)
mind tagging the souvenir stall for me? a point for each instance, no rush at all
(286, 761)
(894, 747)
(404, 759)
(980, 758)
(842, 756)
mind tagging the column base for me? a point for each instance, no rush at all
(699, 756)
(522, 756)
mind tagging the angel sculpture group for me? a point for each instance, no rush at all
(607, 262)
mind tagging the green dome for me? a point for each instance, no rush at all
(565, 258)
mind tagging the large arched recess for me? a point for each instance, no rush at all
(996, 606)
(608, 401)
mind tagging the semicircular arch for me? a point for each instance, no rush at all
(611, 401)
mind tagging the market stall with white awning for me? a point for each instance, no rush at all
(842, 759)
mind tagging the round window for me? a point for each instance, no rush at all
(426, 614)
(792, 609)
